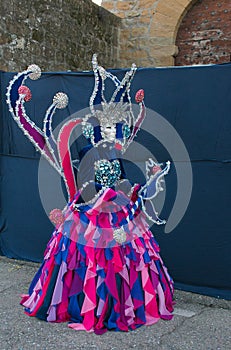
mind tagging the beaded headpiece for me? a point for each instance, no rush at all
(117, 112)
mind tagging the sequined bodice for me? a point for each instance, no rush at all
(100, 165)
(107, 173)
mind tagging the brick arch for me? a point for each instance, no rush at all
(204, 36)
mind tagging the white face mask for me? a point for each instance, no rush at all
(108, 132)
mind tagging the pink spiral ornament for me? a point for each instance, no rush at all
(24, 90)
(139, 96)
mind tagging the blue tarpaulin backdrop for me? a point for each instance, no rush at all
(197, 102)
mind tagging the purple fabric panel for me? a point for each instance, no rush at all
(36, 136)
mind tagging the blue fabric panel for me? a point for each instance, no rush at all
(196, 101)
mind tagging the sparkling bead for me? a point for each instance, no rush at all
(119, 235)
(139, 96)
(107, 173)
(60, 100)
(56, 216)
(88, 130)
(35, 72)
(126, 131)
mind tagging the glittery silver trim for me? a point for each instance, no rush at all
(48, 120)
(159, 177)
(91, 201)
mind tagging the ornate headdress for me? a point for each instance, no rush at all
(117, 112)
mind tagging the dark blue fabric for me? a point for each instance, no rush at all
(197, 102)
(119, 130)
(97, 134)
(14, 91)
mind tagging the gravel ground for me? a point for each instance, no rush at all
(200, 322)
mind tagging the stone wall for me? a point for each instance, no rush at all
(56, 34)
(205, 33)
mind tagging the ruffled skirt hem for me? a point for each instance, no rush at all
(99, 289)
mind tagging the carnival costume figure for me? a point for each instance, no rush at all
(101, 268)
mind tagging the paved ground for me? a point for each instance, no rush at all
(199, 323)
